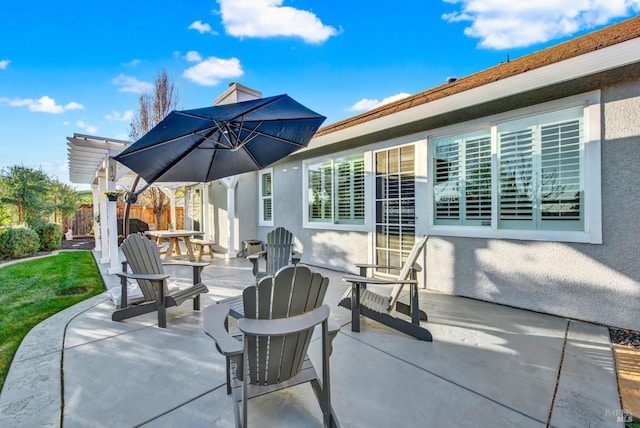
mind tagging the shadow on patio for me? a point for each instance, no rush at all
(488, 365)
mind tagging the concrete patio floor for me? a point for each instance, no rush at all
(488, 366)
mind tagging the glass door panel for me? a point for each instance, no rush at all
(395, 205)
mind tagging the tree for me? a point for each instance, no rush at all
(154, 106)
(25, 189)
(158, 201)
(64, 200)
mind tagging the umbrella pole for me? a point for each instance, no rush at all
(130, 198)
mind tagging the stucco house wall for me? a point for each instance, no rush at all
(593, 282)
(594, 279)
(324, 248)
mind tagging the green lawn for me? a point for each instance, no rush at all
(34, 290)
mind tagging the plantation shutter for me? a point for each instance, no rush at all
(319, 192)
(267, 203)
(561, 189)
(516, 178)
(478, 180)
(447, 180)
(349, 179)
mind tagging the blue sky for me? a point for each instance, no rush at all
(79, 66)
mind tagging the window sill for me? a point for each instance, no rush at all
(525, 235)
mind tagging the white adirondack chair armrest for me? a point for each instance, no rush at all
(284, 326)
(256, 256)
(374, 266)
(377, 281)
(148, 277)
(213, 324)
(185, 263)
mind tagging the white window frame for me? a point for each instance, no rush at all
(592, 233)
(261, 199)
(365, 226)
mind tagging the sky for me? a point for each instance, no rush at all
(79, 66)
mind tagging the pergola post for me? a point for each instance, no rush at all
(230, 184)
(95, 192)
(112, 215)
(104, 218)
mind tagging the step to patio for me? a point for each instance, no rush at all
(628, 367)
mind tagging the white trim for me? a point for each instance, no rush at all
(306, 224)
(261, 220)
(591, 104)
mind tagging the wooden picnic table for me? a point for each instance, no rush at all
(174, 237)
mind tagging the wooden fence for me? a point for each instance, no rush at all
(82, 224)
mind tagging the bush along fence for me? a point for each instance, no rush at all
(22, 241)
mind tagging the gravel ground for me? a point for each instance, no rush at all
(78, 244)
(625, 337)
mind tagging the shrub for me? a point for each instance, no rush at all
(50, 235)
(18, 242)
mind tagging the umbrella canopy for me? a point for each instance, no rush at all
(208, 143)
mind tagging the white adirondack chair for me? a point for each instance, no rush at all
(280, 315)
(278, 252)
(362, 301)
(143, 258)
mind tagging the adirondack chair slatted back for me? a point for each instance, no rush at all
(292, 291)
(278, 249)
(405, 272)
(143, 257)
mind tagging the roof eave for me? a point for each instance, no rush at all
(611, 57)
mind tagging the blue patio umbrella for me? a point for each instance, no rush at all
(209, 143)
(206, 144)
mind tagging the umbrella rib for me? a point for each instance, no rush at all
(143, 149)
(182, 156)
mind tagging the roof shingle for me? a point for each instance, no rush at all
(608, 36)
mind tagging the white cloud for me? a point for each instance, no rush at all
(16, 102)
(202, 27)
(369, 104)
(44, 104)
(123, 117)
(210, 71)
(73, 106)
(268, 18)
(193, 56)
(92, 129)
(4, 64)
(503, 24)
(131, 84)
(58, 167)
(133, 63)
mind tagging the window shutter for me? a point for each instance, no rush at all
(358, 189)
(315, 197)
(267, 212)
(447, 177)
(561, 196)
(478, 179)
(349, 178)
(327, 191)
(516, 176)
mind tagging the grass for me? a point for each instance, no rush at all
(34, 290)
